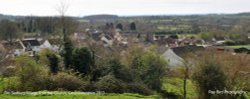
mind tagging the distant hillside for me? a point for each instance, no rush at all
(101, 17)
(116, 17)
(245, 14)
(10, 17)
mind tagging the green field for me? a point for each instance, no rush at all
(173, 28)
(175, 85)
(238, 46)
(160, 21)
(83, 21)
(79, 96)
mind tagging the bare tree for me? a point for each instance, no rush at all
(67, 44)
(62, 8)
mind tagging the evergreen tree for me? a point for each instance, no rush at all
(53, 63)
(133, 26)
(119, 26)
(82, 60)
(67, 52)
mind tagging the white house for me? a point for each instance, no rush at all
(51, 44)
(107, 40)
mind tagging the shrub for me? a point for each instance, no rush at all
(10, 84)
(67, 81)
(110, 84)
(209, 76)
(138, 88)
(50, 59)
(30, 74)
(82, 60)
(9, 71)
(153, 70)
(120, 71)
(53, 63)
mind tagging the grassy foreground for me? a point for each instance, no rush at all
(68, 95)
(79, 96)
(175, 85)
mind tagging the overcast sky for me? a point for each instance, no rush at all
(123, 7)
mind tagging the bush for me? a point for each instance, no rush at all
(153, 70)
(11, 84)
(82, 60)
(138, 88)
(34, 77)
(30, 74)
(53, 63)
(110, 84)
(69, 82)
(210, 76)
(50, 59)
(9, 71)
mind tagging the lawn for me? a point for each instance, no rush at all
(248, 95)
(75, 95)
(175, 85)
(238, 46)
(161, 21)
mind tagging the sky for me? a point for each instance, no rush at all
(123, 7)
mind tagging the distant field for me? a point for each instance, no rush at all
(173, 28)
(238, 46)
(187, 35)
(156, 21)
(83, 21)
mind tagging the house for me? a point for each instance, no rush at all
(173, 60)
(79, 37)
(183, 50)
(52, 44)
(107, 40)
(166, 38)
(219, 41)
(31, 46)
(13, 48)
(248, 35)
(118, 37)
(174, 56)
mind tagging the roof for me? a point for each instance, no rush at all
(172, 58)
(180, 51)
(242, 50)
(108, 37)
(161, 49)
(13, 45)
(55, 41)
(31, 42)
